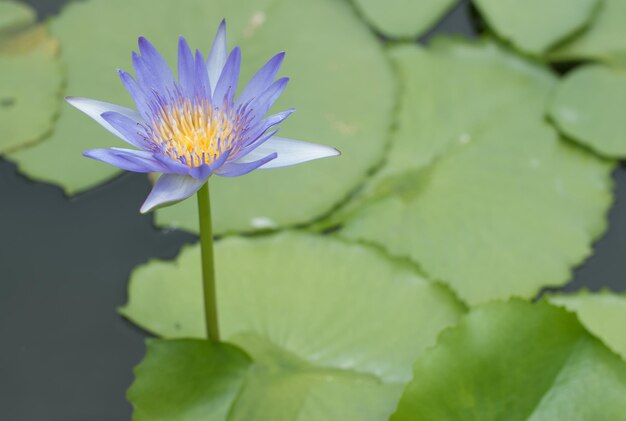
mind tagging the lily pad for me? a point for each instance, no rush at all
(15, 16)
(187, 380)
(516, 361)
(589, 107)
(403, 18)
(334, 326)
(602, 313)
(449, 90)
(535, 25)
(603, 40)
(454, 88)
(339, 104)
(30, 87)
(512, 194)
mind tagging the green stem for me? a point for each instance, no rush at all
(208, 267)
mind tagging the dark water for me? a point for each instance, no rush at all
(65, 354)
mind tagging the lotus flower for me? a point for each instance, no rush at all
(196, 126)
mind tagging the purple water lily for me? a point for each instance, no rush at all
(193, 127)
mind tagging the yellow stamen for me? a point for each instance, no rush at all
(192, 132)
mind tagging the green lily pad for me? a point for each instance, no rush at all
(449, 90)
(403, 18)
(604, 39)
(454, 88)
(589, 107)
(15, 16)
(516, 361)
(602, 313)
(512, 194)
(535, 25)
(334, 326)
(326, 77)
(30, 88)
(187, 380)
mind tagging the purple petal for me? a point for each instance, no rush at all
(237, 168)
(262, 79)
(203, 171)
(135, 91)
(133, 132)
(227, 83)
(126, 159)
(186, 68)
(201, 82)
(169, 189)
(290, 152)
(217, 56)
(155, 63)
(95, 109)
(264, 102)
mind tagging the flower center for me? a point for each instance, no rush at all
(192, 131)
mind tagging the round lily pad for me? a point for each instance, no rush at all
(15, 16)
(334, 326)
(509, 211)
(588, 107)
(535, 25)
(602, 313)
(604, 39)
(454, 88)
(403, 18)
(187, 380)
(30, 87)
(516, 361)
(338, 103)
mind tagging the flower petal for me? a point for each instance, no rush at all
(237, 168)
(262, 79)
(160, 73)
(217, 56)
(227, 84)
(186, 67)
(264, 101)
(133, 132)
(139, 96)
(95, 109)
(126, 159)
(169, 189)
(290, 152)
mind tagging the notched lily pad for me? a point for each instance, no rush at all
(603, 40)
(332, 327)
(14, 16)
(30, 87)
(535, 25)
(187, 380)
(338, 103)
(403, 18)
(516, 361)
(512, 194)
(602, 313)
(588, 107)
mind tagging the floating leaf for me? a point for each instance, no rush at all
(339, 103)
(589, 107)
(334, 326)
(30, 87)
(604, 40)
(187, 380)
(15, 16)
(453, 89)
(513, 194)
(516, 361)
(534, 26)
(602, 313)
(403, 18)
